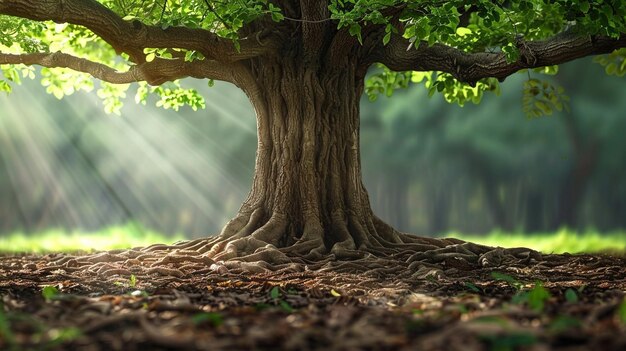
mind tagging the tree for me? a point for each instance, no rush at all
(303, 65)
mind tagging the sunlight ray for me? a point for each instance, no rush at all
(33, 169)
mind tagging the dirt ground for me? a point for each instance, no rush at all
(576, 304)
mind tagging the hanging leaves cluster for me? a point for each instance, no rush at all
(542, 98)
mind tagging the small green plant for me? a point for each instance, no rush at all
(49, 293)
(275, 295)
(472, 287)
(537, 297)
(5, 329)
(514, 283)
(571, 296)
(212, 318)
(621, 312)
(60, 336)
(132, 281)
(563, 323)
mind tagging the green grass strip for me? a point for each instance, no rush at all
(131, 235)
(553, 242)
(55, 240)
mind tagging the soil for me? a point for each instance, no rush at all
(574, 303)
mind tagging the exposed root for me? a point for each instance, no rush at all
(384, 256)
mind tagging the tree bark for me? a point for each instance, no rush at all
(307, 192)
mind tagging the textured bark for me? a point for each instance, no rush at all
(472, 67)
(132, 37)
(307, 191)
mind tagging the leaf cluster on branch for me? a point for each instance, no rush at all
(467, 45)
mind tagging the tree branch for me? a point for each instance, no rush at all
(471, 67)
(132, 37)
(155, 72)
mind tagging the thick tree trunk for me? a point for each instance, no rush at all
(307, 193)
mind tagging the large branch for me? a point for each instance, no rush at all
(155, 72)
(132, 37)
(471, 67)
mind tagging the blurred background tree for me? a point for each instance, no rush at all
(431, 167)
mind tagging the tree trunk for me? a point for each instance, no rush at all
(307, 194)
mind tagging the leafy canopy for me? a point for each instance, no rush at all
(471, 26)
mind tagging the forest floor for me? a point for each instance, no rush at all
(578, 304)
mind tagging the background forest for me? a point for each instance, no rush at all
(430, 167)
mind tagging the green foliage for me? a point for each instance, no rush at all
(542, 98)
(386, 81)
(477, 26)
(613, 63)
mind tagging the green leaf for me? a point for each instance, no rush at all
(463, 31)
(571, 296)
(537, 297)
(285, 306)
(132, 281)
(213, 318)
(506, 278)
(4, 86)
(275, 293)
(386, 38)
(584, 6)
(355, 30)
(334, 293)
(150, 57)
(564, 323)
(472, 287)
(49, 292)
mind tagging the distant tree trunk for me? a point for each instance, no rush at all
(495, 204)
(534, 214)
(392, 201)
(585, 155)
(439, 207)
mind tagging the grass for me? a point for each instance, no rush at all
(132, 235)
(56, 240)
(553, 242)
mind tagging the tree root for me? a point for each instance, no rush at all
(411, 257)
